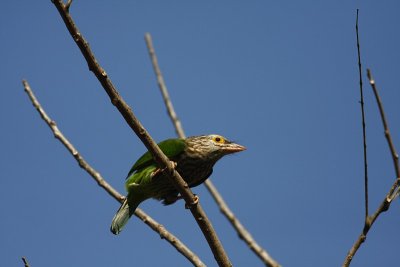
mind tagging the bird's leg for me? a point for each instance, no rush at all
(174, 163)
(171, 199)
(168, 200)
(158, 170)
(194, 202)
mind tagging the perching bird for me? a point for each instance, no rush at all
(194, 157)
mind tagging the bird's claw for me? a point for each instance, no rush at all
(195, 201)
(158, 170)
(174, 164)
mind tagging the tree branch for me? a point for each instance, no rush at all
(59, 135)
(159, 157)
(388, 136)
(174, 241)
(25, 261)
(385, 204)
(363, 124)
(394, 191)
(164, 91)
(240, 229)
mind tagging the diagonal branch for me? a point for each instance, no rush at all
(385, 204)
(159, 157)
(164, 91)
(240, 229)
(25, 261)
(59, 135)
(174, 241)
(388, 136)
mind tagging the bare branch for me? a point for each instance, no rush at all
(58, 134)
(174, 241)
(159, 157)
(389, 139)
(26, 264)
(161, 84)
(68, 5)
(385, 204)
(363, 124)
(394, 190)
(240, 229)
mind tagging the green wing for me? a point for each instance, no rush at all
(170, 147)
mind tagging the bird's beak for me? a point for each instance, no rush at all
(233, 148)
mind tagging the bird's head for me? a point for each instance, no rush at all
(212, 146)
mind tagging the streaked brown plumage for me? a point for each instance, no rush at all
(194, 157)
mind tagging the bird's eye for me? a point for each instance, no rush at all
(219, 139)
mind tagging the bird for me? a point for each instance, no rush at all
(193, 157)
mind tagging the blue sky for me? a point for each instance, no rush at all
(279, 78)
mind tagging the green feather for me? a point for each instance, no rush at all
(139, 181)
(170, 147)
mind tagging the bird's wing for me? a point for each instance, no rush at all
(170, 147)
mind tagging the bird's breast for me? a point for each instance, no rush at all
(194, 170)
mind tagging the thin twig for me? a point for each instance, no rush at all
(158, 156)
(240, 229)
(68, 5)
(393, 152)
(385, 204)
(363, 124)
(174, 241)
(26, 264)
(161, 84)
(165, 234)
(59, 135)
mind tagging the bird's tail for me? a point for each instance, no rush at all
(122, 216)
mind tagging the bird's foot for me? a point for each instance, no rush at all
(155, 172)
(168, 200)
(158, 170)
(195, 201)
(174, 164)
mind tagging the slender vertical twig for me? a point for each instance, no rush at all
(385, 204)
(159, 157)
(240, 229)
(164, 233)
(363, 123)
(25, 261)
